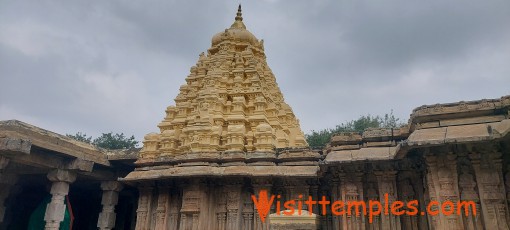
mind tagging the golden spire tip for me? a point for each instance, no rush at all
(239, 16)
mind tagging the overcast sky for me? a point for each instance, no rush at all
(100, 66)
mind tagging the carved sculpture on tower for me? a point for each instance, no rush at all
(230, 103)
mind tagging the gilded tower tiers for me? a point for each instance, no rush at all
(230, 103)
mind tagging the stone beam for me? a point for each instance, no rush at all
(100, 174)
(80, 164)
(235, 171)
(50, 161)
(15, 145)
(52, 141)
(36, 159)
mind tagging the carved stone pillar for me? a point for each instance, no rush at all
(162, 207)
(221, 210)
(488, 173)
(175, 204)
(247, 211)
(297, 189)
(6, 182)
(111, 189)
(351, 188)
(335, 195)
(430, 195)
(324, 190)
(416, 180)
(372, 194)
(408, 194)
(192, 198)
(442, 180)
(234, 202)
(314, 192)
(260, 184)
(386, 181)
(59, 189)
(143, 219)
(468, 192)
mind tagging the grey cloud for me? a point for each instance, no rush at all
(99, 66)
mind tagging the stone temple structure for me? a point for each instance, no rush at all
(230, 135)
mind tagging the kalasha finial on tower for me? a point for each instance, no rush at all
(238, 23)
(239, 16)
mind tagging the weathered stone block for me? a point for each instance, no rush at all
(109, 197)
(477, 132)
(427, 136)
(15, 144)
(346, 139)
(55, 212)
(381, 153)
(339, 156)
(305, 221)
(106, 220)
(62, 175)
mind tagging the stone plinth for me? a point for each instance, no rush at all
(305, 221)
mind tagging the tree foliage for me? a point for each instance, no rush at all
(79, 136)
(319, 139)
(107, 140)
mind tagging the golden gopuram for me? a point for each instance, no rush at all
(230, 143)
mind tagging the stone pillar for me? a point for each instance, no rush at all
(408, 194)
(175, 202)
(248, 209)
(371, 194)
(416, 180)
(468, 192)
(162, 207)
(386, 181)
(430, 195)
(192, 198)
(111, 189)
(442, 173)
(144, 207)
(314, 192)
(296, 188)
(351, 188)
(260, 184)
(221, 209)
(326, 219)
(59, 189)
(6, 182)
(335, 195)
(234, 202)
(489, 175)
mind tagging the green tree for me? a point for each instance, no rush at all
(107, 140)
(115, 141)
(80, 137)
(319, 139)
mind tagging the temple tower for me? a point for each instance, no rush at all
(230, 132)
(230, 103)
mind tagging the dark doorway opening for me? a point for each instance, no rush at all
(24, 198)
